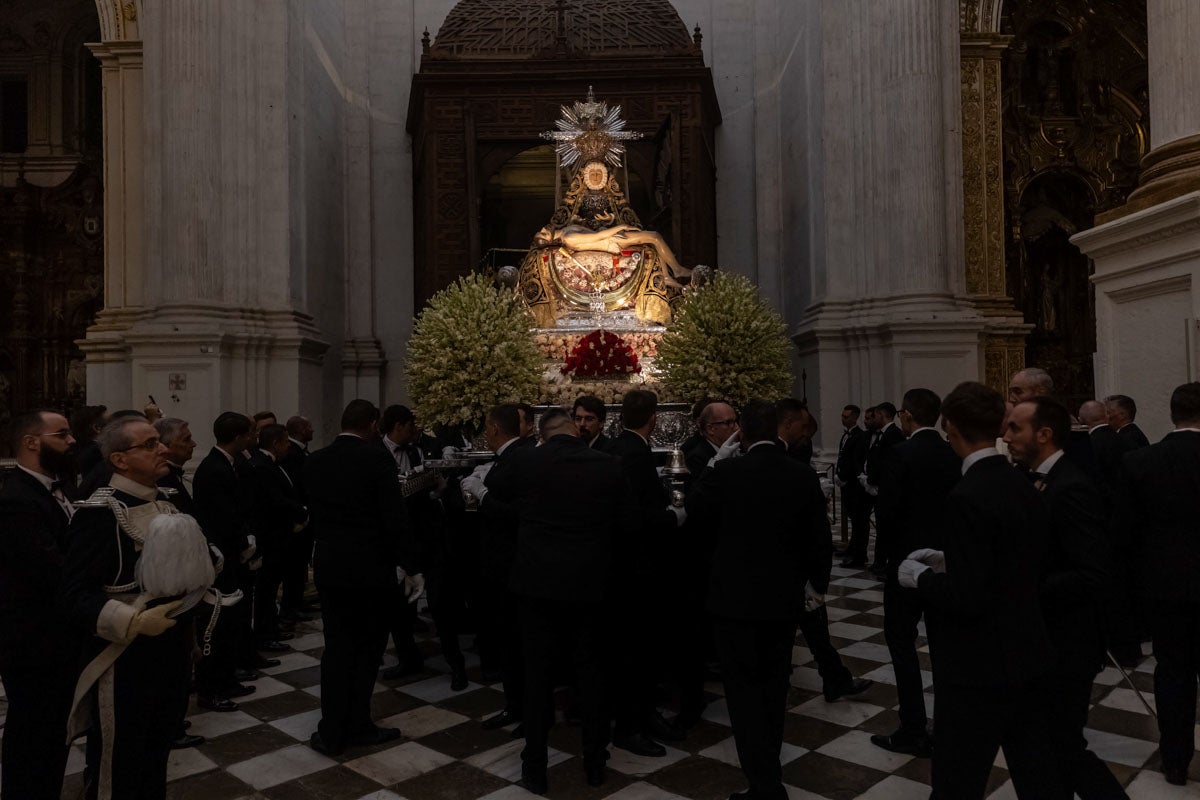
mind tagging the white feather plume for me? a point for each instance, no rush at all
(175, 558)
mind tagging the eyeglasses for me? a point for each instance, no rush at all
(722, 423)
(150, 445)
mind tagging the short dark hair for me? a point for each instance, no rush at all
(593, 404)
(229, 425)
(870, 409)
(887, 408)
(699, 406)
(359, 415)
(923, 405)
(260, 416)
(506, 418)
(85, 423)
(853, 409)
(1050, 413)
(271, 435)
(975, 410)
(1185, 403)
(759, 421)
(1124, 402)
(295, 425)
(395, 415)
(527, 410)
(25, 424)
(789, 407)
(637, 407)
(126, 413)
(553, 418)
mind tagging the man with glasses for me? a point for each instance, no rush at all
(39, 649)
(589, 414)
(718, 421)
(139, 660)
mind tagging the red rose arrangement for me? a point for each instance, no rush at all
(601, 354)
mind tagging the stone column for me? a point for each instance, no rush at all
(889, 310)
(1147, 253)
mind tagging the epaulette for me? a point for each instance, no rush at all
(99, 498)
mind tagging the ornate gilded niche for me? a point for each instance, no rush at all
(495, 76)
(1075, 127)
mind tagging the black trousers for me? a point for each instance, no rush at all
(856, 505)
(1089, 777)
(1175, 629)
(577, 628)
(902, 611)
(635, 660)
(39, 686)
(149, 681)
(266, 592)
(355, 622)
(756, 662)
(814, 626)
(214, 672)
(500, 622)
(297, 555)
(401, 615)
(971, 723)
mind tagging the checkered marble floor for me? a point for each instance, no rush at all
(260, 751)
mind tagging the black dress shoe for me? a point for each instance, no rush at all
(238, 690)
(274, 647)
(317, 743)
(216, 704)
(296, 616)
(596, 773)
(186, 741)
(854, 562)
(246, 675)
(458, 679)
(262, 662)
(519, 731)
(658, 727)
(909, 743)
(640, 745)
(534, 782)
(1176, 776)
(282, 636)
(402, 671)
(375, 736)
(854, 686)
(500, 720)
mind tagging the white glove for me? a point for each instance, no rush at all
(473, 485)
(218, 558)
(910, 572)
(448, 452)
(483, 469)
(731, 449)
(867, 487)
(414, 587)
(251, 548)
(680, 515)
(400, 575)
(812, 598)
(934, 559)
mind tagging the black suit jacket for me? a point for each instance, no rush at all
(293, 465)
(1108, 448)
(988, 627)
(1079, 568)
(876, 457)
(821, 555)
(182, 498)
(1158, 512)
(914, 480)
(276, 509)
(570, 502)
(222, 496)
(499, 517)
(696, 457)
(33, 543)
(1133, 437)
(640, 552)
(358, 511)
(772, 534)
(601, 443)
(849, 446)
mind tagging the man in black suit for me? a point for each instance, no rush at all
(862, 503)
(1121, 413)
(772, 538)
(1079, 567)
(223, 501)
(589, 413)
(561, 574)
(989, 642)
(1107, 445)
(888, 436)
(856, 503)
(39, 646)
(1162, 484)
(718, 421)
(796, 429)
(528, 422)
(642, 562)
(916, 478)
(697, 432)
(298, 550)
(279, 515)
(365, 545)
(495, 483)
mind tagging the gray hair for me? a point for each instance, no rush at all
(169, 428)
(554, 421)
(114, 437)
(1037, 377)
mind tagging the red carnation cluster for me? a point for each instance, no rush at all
(601, 354)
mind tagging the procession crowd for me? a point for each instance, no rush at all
(1035, 546)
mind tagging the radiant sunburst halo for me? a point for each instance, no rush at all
(590, 131)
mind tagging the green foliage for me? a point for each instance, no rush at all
(471, 349)
(726, 343)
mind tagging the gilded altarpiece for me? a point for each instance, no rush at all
(496, 76)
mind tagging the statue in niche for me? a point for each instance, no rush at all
(1051, 282)
(594, 254)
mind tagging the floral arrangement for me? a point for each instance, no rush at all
(601, 354)
(726, 342)
(557, 345)
(470, 350)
